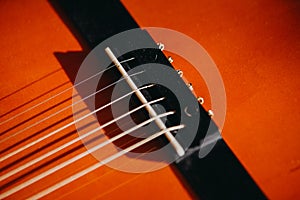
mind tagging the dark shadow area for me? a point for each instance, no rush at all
(25, 86)
(38, 132)
(93, 22)
(36, 115)
(35, 98)
(21, 177)
(70, 62)
(218, 176)
(40, 149)
(33, 135)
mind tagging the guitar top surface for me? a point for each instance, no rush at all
(255, 45)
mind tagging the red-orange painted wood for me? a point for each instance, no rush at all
(255, 45)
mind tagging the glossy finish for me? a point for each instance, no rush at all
(255, 45)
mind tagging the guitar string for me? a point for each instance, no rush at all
(57, 130)
(48, 117)
(130, 140)
(99, 164)
(63, 109)
(64, 146)
(32, 162)
(97, 178)
(123, 145)
(62, 92)
(178, 148)
(82, 173)
(97, 147)
(31, 83)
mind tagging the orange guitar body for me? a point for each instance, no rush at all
(255, 45)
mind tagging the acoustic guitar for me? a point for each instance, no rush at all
(43, 153)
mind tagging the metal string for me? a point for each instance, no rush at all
(60, 93)
(95, 166)
(63, 109)
(81, 155)
(99, 164)
(58, 130)
(32, 162)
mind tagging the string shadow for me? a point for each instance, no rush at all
(60, 156)
(34, 99)
(39, 132)
(25, 86)
(35, 116)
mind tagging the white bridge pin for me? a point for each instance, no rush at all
(210, 113)
(178, 148)
(170, 59)
(201, 100)
(161, 46)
